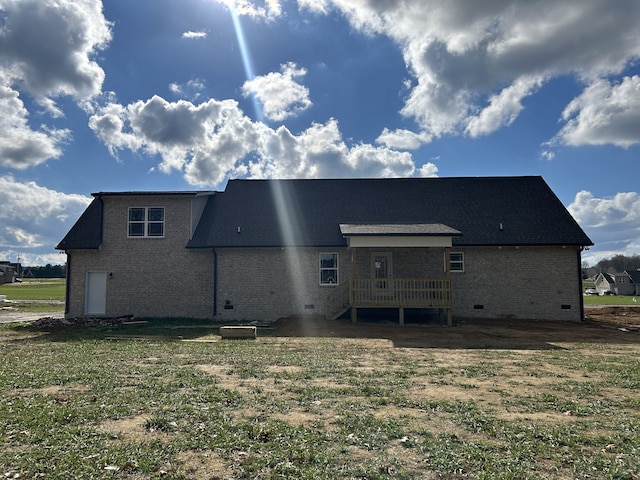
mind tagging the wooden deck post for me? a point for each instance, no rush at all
(354, 310)
(447, 267)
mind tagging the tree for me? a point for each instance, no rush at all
(618, 264)
(48, 271)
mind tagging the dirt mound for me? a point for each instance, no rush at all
(624, 316)
(58, 322)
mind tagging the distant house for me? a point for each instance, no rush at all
(625, 283)
(267, 249)
(8, 272)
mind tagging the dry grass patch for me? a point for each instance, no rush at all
(130, 429)
(203, 465)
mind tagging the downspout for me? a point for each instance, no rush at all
(215, 282)
(67, 284)
(579, 253)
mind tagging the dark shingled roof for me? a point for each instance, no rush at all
(634, 274)
(413, 229)
(86, 233)
(486, 210)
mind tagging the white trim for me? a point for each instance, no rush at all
(388, 241)
(389, 256)
(146, 222)
(448, 260)
(337, 269)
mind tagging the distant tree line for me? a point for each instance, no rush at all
(48, 271)
(615, 264)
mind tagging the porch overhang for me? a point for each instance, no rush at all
(398, 235)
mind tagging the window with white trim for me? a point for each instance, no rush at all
(146, 222)
(328, 269)
(456, 262)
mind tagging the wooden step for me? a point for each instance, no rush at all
(238, 331)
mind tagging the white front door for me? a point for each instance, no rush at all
(382, 268)
(96, 293)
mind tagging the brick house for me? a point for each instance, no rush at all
(625, 283)
(8, 272)
(267, 249)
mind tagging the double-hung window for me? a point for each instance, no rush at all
(456, 262)
(328, 269)
(146, 222)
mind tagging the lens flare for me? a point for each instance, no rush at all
(284, 201)
(246, 58)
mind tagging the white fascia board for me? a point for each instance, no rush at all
(399, 241)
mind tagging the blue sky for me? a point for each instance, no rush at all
(173, 95)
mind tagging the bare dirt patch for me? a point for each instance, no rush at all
(601, 324)
(14, 314)
(204, 464)
(130, 428)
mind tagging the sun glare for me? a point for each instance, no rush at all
(289, 223)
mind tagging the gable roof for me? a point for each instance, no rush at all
(634, 275)
(86, 233)
(485, 210)
(604, 276)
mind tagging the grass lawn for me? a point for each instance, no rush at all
(35, 289)
(173, 401)
(611, 300)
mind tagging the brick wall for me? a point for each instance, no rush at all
(158, 277)
(269, 283)
(147, 277)
(508, 282)
(520, 283)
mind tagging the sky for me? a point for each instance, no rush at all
(161, 95)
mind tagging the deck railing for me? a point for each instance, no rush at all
(400, 293)
(390, 293)
(338, 301)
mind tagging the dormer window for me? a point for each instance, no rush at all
(146, 222)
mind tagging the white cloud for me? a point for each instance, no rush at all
(316, 6)
(464, 55)
(547, 155)
(109, 124)
(428, 170)
(191, 90)
(603, 114)
(47, 48)
(33, 217)
(271, 9)
(214, 140)
(402, 139)
(280, 94)
(20, 146)
(613, 223)
(503, 108)
(191, 34)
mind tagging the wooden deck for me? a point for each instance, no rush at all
(398, 293)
